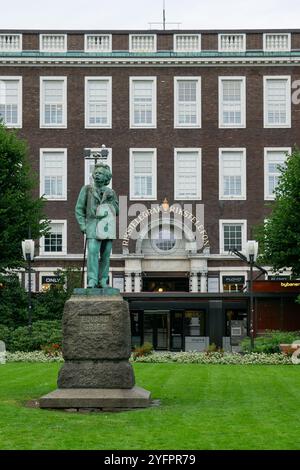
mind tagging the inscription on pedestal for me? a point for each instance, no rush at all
(94, 324)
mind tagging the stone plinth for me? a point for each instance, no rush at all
(96, 350)
(102, 399)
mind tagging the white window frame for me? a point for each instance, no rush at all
(87, 164)
(109, 106)
(243, 49)
(198, 103)
(269, 197)
(97, 35)
(199, 179)
(276, 34)
(153, 197)
(243, 196)
(64, 239)
(187, 50)
(20, 99)
(223, 222)
(146, 34)
(288, 104)
(53, 50)
(153, 124)
(242, 79)
(65, 176)
(65, 110)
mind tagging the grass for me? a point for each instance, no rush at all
(202, 407)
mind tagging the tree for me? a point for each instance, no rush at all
(279, 237)
(19, 209)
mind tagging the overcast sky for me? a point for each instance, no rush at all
(137, 14)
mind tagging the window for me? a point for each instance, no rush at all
(97, 42)
(232, 102)
(53, 42)
(143, 174)
(53, 174)
(187, 174)
(11, 101)
(187, 95)
(232, 42)
(187, 42)
(274, 42)
(233, 234)
(90, 164)
(277, 101)
(274, 158)
(232, 173)
(143, 102)
(55, 243)
(53, 102)
(165, 240)
(142, 42)
(10, 42)
(98, 102)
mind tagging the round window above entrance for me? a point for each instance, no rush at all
(165, 240)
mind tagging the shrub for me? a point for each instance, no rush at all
(212, 348)
(52, 349)
(143, 350)
(269, 344)
(43, 333)
(13, 301)
(5, 333)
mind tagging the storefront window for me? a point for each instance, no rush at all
(194, 322)
(233, 283)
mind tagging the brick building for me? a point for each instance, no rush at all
(200, 119)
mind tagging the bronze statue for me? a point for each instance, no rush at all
(96, 210)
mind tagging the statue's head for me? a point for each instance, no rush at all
(102, 174)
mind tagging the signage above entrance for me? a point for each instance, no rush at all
(51, 280)
(233, 279)
(276, 286)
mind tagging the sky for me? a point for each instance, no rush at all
(137, 14)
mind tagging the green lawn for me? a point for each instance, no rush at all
(202, 407)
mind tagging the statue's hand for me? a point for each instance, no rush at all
(83, 229)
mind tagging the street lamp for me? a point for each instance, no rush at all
(28, 255)
(251, 255)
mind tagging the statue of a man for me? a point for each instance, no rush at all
(96, 210)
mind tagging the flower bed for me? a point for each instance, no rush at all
(215, 358)
(33, 356)
(164, 357)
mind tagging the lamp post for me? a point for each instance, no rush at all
(251, 255)
(28, 255)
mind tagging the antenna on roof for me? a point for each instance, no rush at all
(164, 19)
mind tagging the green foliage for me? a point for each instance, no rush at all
(143, 350)
(279, 237)
(269, 344)
(13, 302)
(4, 333)
(43, 333)
(46, 305)
(19, 210)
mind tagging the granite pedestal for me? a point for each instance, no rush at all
(96, 350)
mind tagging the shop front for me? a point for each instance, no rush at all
(185, 321)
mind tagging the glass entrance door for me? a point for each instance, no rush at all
(156, 328)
